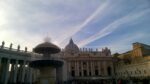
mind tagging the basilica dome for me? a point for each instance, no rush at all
(71, 47)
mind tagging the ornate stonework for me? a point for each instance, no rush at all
(87, 65)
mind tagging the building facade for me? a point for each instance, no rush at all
(86, 66)
(134, 66)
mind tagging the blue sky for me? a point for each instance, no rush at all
(115, 24)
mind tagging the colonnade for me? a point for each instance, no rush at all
(14, 71)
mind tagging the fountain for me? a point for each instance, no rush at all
(46, 65)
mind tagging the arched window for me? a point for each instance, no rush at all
(109, 71)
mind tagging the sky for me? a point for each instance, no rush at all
(115, 24)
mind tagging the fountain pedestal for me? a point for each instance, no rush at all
(48, 75)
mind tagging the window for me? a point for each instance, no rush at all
(72, 67)
(96, 72)
(90, 73)
(84, 63)
(109, 71)
(73, 73)
(80, 74)
(85, 72)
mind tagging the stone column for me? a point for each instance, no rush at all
(99, 68)
(30, 75)
(105, 68)
(12, 72)
(20, 72)
(1, 70)
(69, 71)
(91, 63)
(0, 67)
(27, 75)
(77, 68)
(15, 71)
(93, 72)
(87, 68)
(82, 69)
(7, 72)
(23, 72)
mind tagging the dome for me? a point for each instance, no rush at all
(46, 47)
(71, 47)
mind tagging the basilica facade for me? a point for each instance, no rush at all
(87, 66)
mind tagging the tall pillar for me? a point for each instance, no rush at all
(19, 73)
(12, 72)
(82, 68)
(104, 67)
(99, 68)
(27, 75)
(7, 72)
(23, 72)
(0, 67)
(75, 63)
(91, 63)
(15, 71)
(30, 75)
(92, 68)
(69, 71)
(87, 68)
(77, 68)
(1, 70)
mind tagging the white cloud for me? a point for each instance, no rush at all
(98, 12)
(113, 26)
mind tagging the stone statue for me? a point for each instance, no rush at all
(10, 46)
(26, 49)
(3, 43)
(18, 48)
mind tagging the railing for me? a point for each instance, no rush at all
(14, 50)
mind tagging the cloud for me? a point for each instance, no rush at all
(27, 22)
(100, 10)
(113, 26)
(123, 45)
